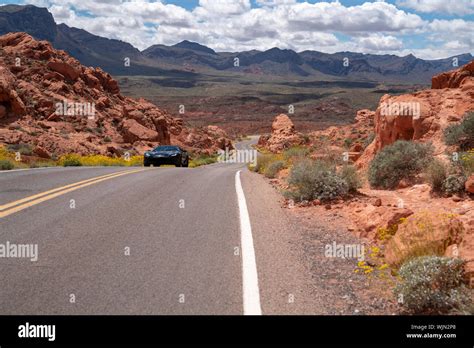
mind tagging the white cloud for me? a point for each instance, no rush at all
(379, 43)
(233, 25)
(368, 17)
(454, 7)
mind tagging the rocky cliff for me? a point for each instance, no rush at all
(424, 115)
(52, 102)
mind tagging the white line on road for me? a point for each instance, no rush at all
(251, 293)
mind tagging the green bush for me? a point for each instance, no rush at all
(454, 184)
(264, 161)
(312, 180)
(436, 175)
(433, 285)
(70, 161)
(273, 168)
(461, 134)
(295, 153)
(351, 177)
(6, 164)
(401, 160)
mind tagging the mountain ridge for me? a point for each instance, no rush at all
(187, 58)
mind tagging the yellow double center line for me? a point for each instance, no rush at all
(16, 206)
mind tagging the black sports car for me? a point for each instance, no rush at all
(173, 155)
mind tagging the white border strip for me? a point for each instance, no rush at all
(251, 293)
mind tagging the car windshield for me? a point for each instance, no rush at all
(167, 148)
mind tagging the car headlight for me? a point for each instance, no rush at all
(147, 154)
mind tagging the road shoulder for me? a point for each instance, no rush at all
(294, 273)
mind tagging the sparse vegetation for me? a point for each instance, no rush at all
(201, 160)
(401, 160)
(295, 154)
(70, 161)
(6, 164)
(24, 149)
(349, 174)
(348, 143)
(462, 134)
(453, 184)
(274, 168)
(436, 174)
(467, 163)
(312, 180)
(433, 285)
(264, 161)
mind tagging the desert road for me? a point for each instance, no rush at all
(145, 241)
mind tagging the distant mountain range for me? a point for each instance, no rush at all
(188, 58)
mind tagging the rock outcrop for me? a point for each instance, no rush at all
(422, 233)
(470, 184)
(423, 116)
(52, 102)
(461, 78)
(283, 135)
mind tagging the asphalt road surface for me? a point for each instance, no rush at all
(144, 241)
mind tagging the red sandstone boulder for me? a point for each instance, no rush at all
(283, 135)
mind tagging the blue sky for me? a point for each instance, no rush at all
(426, 28)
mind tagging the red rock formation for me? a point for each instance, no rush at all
(283, 135)
(51, 101)
(470, 184)
(454, 79)
(423, 116)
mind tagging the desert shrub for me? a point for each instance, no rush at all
(295, 153)
(273, 168)
(6, 164)
(433, 285)
(401, 160)
(461, 134)
(351, 177)
(135, 161)
(453, 184)
(201, 160)
(467, 162)
(436, 175)
(4, 152)
(348, 142)
(264, 160)
(312, 180)
(24, 149)
(453, 134)
(73, 160)
(70, 160)
(102, 161)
